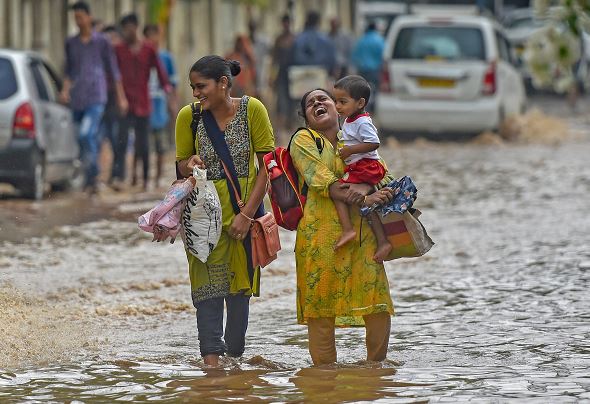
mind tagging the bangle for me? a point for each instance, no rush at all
(247, 217)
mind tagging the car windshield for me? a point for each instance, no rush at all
(525, 22)
(439, 42)
(7, 79)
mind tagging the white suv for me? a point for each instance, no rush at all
(448, 74)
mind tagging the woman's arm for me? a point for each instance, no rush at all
(186, 166)
(262, 142)
(241, 223)
(352, 194)
(379, 197)
(360, 194)
(258, 190)
(185, 143)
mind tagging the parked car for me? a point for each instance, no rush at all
(384, 12)
(448, 74)
(38, 142)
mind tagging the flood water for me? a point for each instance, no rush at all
(497, 311)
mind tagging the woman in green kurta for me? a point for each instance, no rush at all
(343, 287)
(248, 134)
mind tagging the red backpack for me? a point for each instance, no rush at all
(287, 200)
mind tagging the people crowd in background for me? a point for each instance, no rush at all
(121, 85)
(367, 57)
(245, 83)
(281, 60)
(343, 43)
(89, 62)
(137, 57)
(163, 106)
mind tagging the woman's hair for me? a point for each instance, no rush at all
(215, 67)
(304, 100)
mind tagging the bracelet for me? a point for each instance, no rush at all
(365, 201)
(247, 217)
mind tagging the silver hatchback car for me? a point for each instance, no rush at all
(38, 142)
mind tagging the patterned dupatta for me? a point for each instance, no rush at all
(217, 138)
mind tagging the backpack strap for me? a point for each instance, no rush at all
(196, 112)
(319, 142)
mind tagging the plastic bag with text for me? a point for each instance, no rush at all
(201, 217)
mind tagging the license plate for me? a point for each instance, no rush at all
(430, 82)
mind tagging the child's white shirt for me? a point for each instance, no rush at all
(357, 131)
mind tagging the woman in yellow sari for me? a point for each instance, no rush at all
(344, 287)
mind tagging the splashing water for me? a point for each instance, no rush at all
(497, 310)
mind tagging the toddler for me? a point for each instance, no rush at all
(358, 148)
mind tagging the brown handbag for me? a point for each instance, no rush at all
(265, 240)
(264, 232)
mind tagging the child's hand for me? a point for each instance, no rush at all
(344, 152)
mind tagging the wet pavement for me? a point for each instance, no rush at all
(497, 311)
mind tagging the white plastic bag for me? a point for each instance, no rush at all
(201, 217)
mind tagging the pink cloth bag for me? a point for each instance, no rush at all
(165, 217)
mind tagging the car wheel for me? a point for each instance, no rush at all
(75, 180)
(529, 88)
(35, 188)
(501, 118)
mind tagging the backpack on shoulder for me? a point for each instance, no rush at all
(287, 199)
(196, 115)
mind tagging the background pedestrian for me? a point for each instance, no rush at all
(161, 103)
(367, 57)
(136, 59)
(89, 61)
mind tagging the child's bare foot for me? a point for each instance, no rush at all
(345, 237)
(382, 253)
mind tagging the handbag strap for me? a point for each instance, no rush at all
(241, 203)
(237, 195)
(217, 138)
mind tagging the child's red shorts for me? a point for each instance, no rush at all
(365, 171)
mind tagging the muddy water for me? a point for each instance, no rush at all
(498, 310)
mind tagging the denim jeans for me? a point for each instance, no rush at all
(88, 121)
(141, 127)
(109, 127)
(212, 339)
